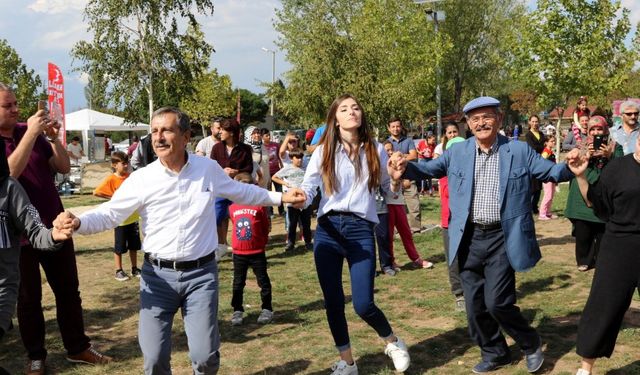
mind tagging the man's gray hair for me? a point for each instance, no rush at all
(629, 103)
(183, 120)
(5, 87)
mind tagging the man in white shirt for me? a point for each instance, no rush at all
(74, 149)
(174, 196)
(203, 148)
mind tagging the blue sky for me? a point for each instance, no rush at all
(45, 30)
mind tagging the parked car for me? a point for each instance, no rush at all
(277, 136)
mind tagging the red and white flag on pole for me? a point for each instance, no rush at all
(55, 91)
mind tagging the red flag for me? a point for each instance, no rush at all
(55, 90)
(239, 108)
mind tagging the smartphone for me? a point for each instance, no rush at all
(44, 106)
(599, 140)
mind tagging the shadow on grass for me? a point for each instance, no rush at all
(556, 241)
(631, 368)
(290, 319)
(293, 367)
(554, 282)
(428, 354)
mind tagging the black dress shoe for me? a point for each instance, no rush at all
(488, 366)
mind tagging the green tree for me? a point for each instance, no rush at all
(26, 83)
(139, 48)
(572, 48)
(378, 50)
(212, 96)
(254, 107)
(480, 34)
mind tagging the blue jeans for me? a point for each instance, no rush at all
(349, 237)
(195, 292)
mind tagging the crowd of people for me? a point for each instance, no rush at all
(361, 189)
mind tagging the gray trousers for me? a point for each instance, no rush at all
(412, 200)
(195, 292)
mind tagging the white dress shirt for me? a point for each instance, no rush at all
(177, 209)
(351, 195)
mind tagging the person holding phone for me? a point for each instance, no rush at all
(33, 151)
(588, 229)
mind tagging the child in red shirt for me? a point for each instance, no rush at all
(127, 235)
(249, 235)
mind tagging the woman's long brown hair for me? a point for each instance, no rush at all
(331, 139)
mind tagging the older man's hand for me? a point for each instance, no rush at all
(396, 165)
(294, 196)
(577, 161)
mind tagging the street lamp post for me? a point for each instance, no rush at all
(434, 15)
(273, 77)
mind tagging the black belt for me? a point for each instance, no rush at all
(339, 213)
(184, 265)
(491, 226)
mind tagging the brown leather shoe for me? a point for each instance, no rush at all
(90, 357)
(35, 367)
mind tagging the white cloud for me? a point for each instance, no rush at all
(63, 38)
(57, 6)
(634, 7)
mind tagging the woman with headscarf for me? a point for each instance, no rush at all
(587, 227)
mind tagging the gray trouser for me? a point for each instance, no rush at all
(195, 292)
(412, 200)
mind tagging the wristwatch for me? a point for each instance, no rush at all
(52, 140)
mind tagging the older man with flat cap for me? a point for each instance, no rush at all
(491, 230)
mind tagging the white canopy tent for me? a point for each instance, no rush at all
(88, 122)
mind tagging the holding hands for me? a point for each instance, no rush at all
(396, 165)
(578, 161)
(64, 225)
(294, 196)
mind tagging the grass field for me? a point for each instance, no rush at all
(417, 302)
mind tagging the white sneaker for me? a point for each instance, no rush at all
(399, 354)
(221, 251)
(342, 368)
(236, 318)
(583, 372)
(265, 316)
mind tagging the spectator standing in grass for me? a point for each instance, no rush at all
(588, 229)
(205, 145)
(291, 176)
(249, 236)
(348, 165)
(127, 234)
(445, 216)
(398, 220)
(34, 151)
(234, 157)
(536, 140)
(549, 188)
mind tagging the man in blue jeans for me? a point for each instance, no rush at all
(175, 198)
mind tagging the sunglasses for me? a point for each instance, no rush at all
(631, 113)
